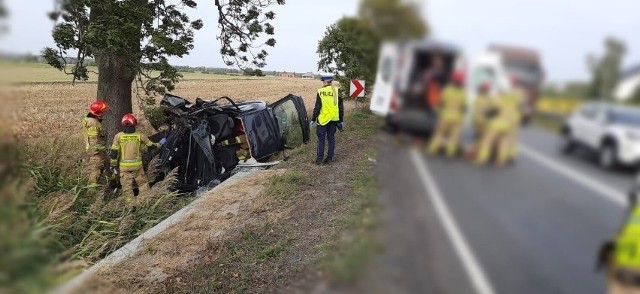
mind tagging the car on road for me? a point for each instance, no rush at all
(207, 139)
(613, 131)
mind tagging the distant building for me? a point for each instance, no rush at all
(628, 84)
(308, 75)
(285, 74)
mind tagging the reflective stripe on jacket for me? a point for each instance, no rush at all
(93, 138)
(329, 110)
(129, 151)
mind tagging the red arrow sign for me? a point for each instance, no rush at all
(356, 88)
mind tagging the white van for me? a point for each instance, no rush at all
(399, 97)
(399, 92)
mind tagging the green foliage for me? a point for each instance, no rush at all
(52, 223)
(605, 70)
(286, 185)
(393, 19)
(350, 47)
(242, 23)
(142, 33)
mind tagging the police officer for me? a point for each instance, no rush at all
(328, 114)
(94, 139)
(450, 117)
(622, 256)
(126, 154)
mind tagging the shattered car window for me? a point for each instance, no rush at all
(289, 123)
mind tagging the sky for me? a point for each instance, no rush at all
(563, 31)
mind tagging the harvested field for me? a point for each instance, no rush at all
(52, 110)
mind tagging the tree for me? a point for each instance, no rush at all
(4, 13)
(393, 19)
(131, 40)
(605, 71)
(350, 47)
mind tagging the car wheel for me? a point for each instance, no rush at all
(608, 157)
(566, 143)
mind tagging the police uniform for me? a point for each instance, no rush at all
(623, 272)
(327, 113)
(451, 116)
(95, 147)
(126, 153)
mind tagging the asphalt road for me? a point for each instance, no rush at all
(534, 227)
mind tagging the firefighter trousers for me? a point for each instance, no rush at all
(447, 133)
(129, 179)
(98, 165)
(493, 138)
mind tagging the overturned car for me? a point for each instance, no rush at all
(207, 139)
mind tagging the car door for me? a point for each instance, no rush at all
(292, 120)
(384, 86)
(592, 126)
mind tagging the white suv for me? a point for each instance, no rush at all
(611, 130)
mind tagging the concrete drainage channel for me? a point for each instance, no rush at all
(136, 244)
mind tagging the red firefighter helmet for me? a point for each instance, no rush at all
(98, 108)
(457, 77)
(129, 120)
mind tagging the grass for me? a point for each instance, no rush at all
(238, 262)
(287, 185)
(58, 225)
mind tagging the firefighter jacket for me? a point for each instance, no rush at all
(93, 137)
(126, 150)
(453, 104)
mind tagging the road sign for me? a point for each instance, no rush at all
(357, 88)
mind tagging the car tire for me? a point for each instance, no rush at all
(608, 156)
(567, 144)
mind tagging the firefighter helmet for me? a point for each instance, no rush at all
(457, 77)
(98, 108)
(129, 120)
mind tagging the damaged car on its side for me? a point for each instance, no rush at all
(207, 139)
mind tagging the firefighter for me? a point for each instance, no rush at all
(451, 115)
(515, 101)
(501, 131)
(481, 107)
(328, 114)
(95, 143)
(126, 156)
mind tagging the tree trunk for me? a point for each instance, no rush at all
(115, 80)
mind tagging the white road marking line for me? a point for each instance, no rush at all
(606, 192)
(470, 263)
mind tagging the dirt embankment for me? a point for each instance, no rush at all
(182, 244)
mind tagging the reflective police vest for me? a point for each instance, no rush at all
(627, 248)
(92, 134)
(329, 111)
